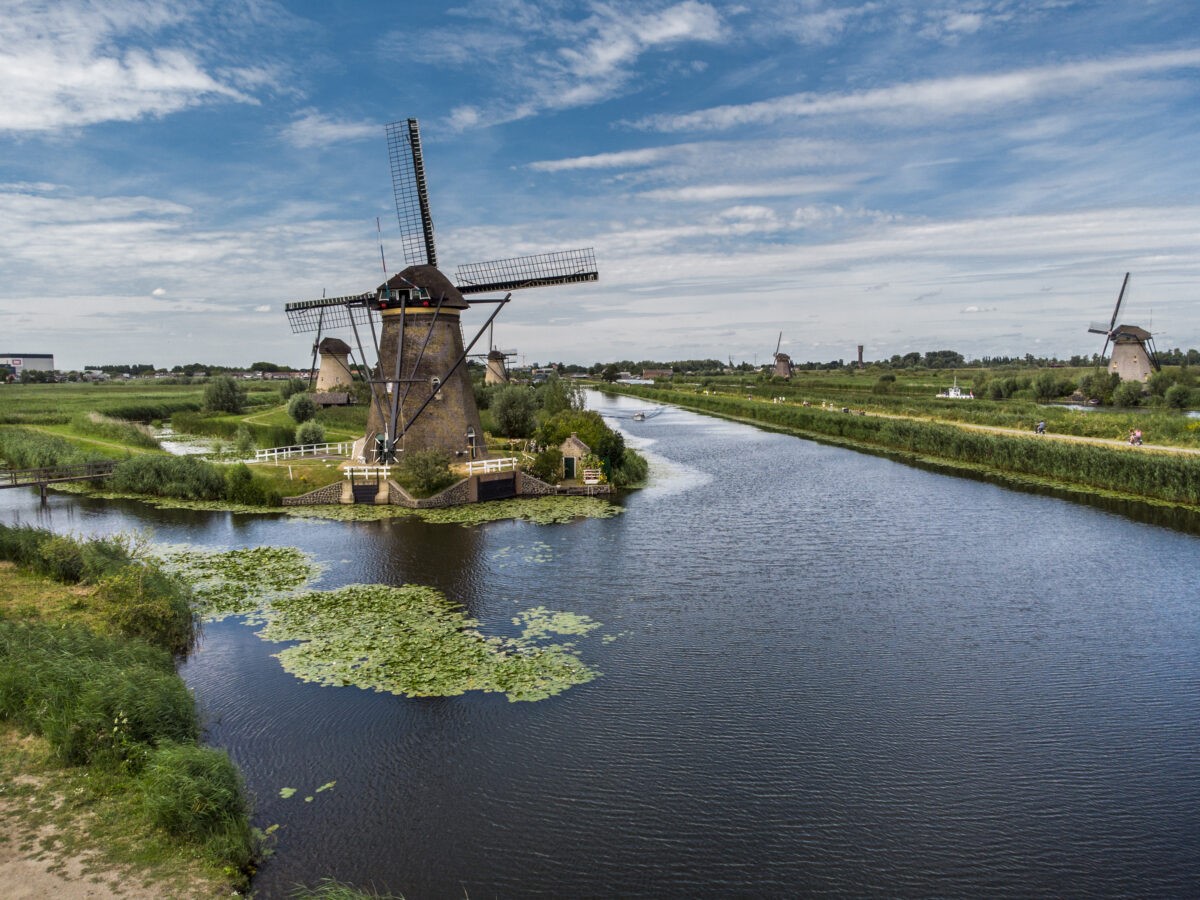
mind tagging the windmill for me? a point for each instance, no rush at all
(497, 362)
(421, 395)
(783, 362)
(1133, 356)
(335, 368)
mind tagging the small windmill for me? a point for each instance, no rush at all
(335, 368)
(1133, 356)
(421, 395)
(783, 362)
(497, 362)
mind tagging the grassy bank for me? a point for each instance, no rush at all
(1138, 474)
(98, 734)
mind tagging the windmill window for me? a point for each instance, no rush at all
(435, 384)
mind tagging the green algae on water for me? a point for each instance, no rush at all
(239, 582)
(412, 641)
(539, 510)
(540, 623)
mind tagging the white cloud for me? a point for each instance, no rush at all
(942, 97)
(540, 59)
(69, 64)
(158, 292)
(774, 189)
(262, 308)
(314, 129)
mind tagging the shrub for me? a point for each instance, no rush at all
(425, 472)
(547, 465)
(196, 793)
(1178, 396)
(242, 487)
(62, 559)
(632, 469)
(182, 477)
(1127, 393)
(243, 443)
(143, 601)
(310, 433)
(224, 394)
(301, 407)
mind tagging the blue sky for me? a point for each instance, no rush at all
(973, 174)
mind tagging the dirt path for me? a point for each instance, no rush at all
(1050, 436)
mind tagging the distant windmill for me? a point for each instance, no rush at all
(1133, 356)
(497, 362)
(421, 395)
(783, 362)
(335, 368)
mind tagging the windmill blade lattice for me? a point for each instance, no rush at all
(329, 312)
(412, 196)
(540, 270)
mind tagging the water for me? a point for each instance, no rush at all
(835, 675)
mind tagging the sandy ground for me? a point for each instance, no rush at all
(37, 873)
(24, 876)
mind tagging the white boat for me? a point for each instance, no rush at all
(956, 393)
(639, 417)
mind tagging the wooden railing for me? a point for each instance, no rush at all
(52, 474)
(276, 453)
(487, 466)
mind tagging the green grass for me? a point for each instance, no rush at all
(92, 710)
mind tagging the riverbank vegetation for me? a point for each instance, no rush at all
(95, 715)
(63, 427)
(1138, 473)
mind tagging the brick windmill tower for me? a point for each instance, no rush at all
(421, 395)
(1133, 356)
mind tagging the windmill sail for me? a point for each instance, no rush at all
(330, 312)
(541, 270)
(412, 197)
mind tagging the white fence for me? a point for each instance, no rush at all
(368, 472)
(486, 466)
(277, 453)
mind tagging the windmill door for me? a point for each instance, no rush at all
(569, 467)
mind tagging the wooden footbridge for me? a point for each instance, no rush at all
(47, 475)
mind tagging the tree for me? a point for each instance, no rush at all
(1045, 387)
(224, 394)
(301, 408)
(557, 395)
(512, 409)
(610, 373)
(310, 433)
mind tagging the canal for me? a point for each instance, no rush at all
(824, 673)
